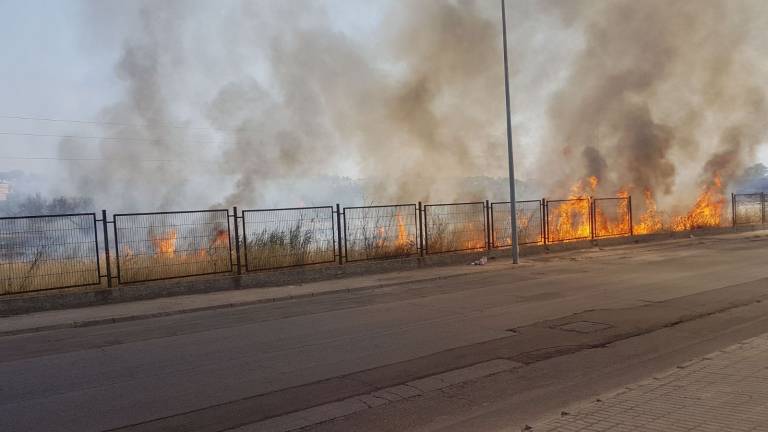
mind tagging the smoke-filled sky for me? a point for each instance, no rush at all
(227, 102)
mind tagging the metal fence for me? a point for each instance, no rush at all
(61, 251)
(48, 252)
(568, 220)
(530, 227)
(749, 209)
(165, 245)
(612, 217)
(375, 232)
(455, 227)
(288, 237)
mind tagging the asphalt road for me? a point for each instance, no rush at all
(217, 370)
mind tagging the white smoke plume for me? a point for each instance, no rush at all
(238, 101)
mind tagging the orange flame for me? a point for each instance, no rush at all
(572, 217)
(707, 211)
(650, 221)
(166, 243)
(402, 232)
(222, 238)
(472, 240)
(619, 225)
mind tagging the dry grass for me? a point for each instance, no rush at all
(40, 274)
(380, 237)
(136, 268)
(294, 247)
(447, 237)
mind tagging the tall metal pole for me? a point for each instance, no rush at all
(513, 212)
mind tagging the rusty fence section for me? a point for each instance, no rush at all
(166, 245)
(749, 209)
(568, 220)
(612, 217)
(455, 227)
(376, 232)
(530, 226)
(40, 253)
(288, 237)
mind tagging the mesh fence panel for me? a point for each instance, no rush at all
(529, 223)
(47, 252)
(611, 217)
(454, 227)
(748, 209)
(288, 237)
(568, 220)
(154, 246)
(380, 232)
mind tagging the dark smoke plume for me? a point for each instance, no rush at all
(659, 87)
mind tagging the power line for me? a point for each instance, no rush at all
(147, 140)
(42, 158)
(109, 123)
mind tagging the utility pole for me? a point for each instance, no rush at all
(513, 209)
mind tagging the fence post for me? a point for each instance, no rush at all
(338, 229)
(631, 225)
(487, 225)
(108, 264)
(544, 221)
(237, 242)
(762, 202)
(733, 209)
(592, 218)
(491, 231)
(426, 232)
(421, 229)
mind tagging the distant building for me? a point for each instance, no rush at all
(5, 189)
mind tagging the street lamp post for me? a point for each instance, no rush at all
(513, 210)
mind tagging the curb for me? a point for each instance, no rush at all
(138, 317)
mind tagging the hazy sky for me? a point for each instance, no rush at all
(59, 59)
(59, 62)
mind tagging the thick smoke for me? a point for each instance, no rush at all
(661, 90)
(240, 102)
(287, 95)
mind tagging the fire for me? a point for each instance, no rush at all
(707, 211)
(401, 241)
(605, 226)
(650, 221)
(571, 219)
(593, 183)
(222, 238)
(165, 244)
(402, 232)
(472, 241)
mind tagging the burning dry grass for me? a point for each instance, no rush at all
(570, 219)
(392, 232)
(383, 236)
(167, 260)
(444, 236)
(455, 227)
(707, 211)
